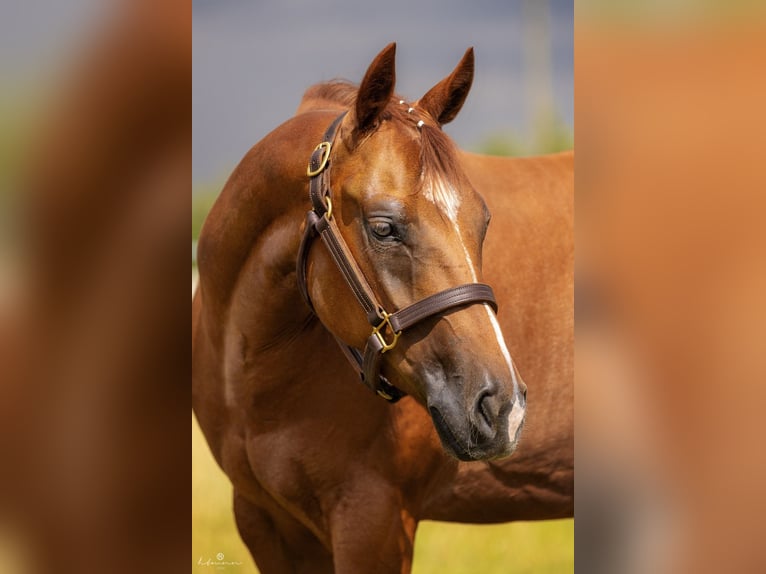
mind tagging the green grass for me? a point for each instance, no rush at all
(202, 201)
(213, 528)
(517, 548)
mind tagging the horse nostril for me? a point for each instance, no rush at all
(524, 393)
(484, 408)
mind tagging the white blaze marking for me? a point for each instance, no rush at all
(516, 417)
(501, 344)
(446, 198)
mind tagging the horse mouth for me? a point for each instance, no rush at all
(448, 438)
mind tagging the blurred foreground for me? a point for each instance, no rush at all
(671, 276)
(93, 326)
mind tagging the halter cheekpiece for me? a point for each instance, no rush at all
(386, 326)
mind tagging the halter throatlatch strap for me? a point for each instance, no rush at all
(386, 327)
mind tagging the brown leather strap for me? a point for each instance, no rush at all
(382, 387)
(442, 301)
(330, 234)
(319, 184)
(319, 189)
(430, 306)
(373, 357)
(386, 327)
(303, 253)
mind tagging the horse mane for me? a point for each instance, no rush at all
(438, 152)
(335, 94)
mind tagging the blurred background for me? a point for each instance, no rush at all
(253, 61)
(95, 176)
(670, 383)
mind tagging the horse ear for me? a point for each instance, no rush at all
(376, 88)
(444, 100)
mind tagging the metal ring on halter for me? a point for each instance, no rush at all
(325, 147)
(386, 322)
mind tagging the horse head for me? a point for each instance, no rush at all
(414, 226)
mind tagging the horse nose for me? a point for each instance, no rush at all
(489, 412)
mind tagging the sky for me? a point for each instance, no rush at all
(252, 61)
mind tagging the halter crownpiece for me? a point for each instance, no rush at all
(386, 327)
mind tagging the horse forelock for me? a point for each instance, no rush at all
(440, 174)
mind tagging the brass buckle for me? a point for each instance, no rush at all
(382, 325)
(325, 147)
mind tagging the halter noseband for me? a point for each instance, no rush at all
(386, 327)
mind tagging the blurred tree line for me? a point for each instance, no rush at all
(550, 135)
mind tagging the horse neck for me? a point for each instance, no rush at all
(249, 245)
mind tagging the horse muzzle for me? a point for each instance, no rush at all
(487, 427)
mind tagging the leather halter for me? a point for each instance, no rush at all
(386, 327)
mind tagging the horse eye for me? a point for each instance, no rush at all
(381, 229)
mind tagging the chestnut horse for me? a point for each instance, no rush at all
(328, 476)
